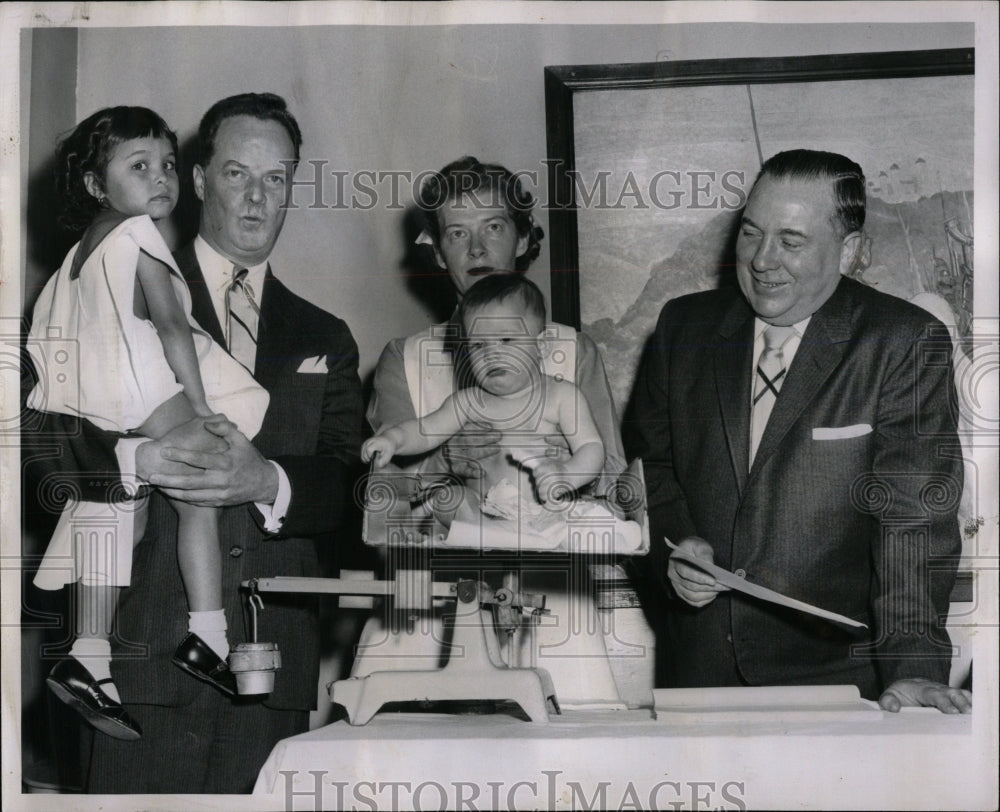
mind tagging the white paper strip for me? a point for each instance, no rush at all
(726, 578)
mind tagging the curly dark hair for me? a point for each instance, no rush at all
(468, 175)
(89, 147)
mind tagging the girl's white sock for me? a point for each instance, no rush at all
(94, 653)
(211, 627)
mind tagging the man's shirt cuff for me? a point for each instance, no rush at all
(125, 450)
(274, 514)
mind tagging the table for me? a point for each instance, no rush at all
(918, 758)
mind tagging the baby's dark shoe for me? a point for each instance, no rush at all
(196, 657)
(72, 683)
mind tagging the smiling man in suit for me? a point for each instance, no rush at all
(279, 492)
(800, 431)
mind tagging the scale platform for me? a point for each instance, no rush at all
(404, 509)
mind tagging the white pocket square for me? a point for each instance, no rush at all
(842, 432)
(314, 365)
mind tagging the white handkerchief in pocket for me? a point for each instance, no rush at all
(314, 365)
(842, 432)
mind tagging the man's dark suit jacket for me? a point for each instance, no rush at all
(859, 522)
(312, 428)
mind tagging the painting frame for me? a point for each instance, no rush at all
(564, 84)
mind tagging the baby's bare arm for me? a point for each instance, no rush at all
(575, 421)
(577, 424)
(415, 436)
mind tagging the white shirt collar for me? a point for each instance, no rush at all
(218, 273)
(759, 326)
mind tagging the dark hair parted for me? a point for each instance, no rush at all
(502, 287)
(486, 185)
(263, 106)
(846, 176)
(88, 149)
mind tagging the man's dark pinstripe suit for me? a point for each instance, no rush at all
(862, 522)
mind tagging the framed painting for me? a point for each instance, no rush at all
(650, 165)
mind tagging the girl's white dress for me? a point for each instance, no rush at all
(97, 360)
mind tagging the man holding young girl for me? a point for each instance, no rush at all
(276, 493)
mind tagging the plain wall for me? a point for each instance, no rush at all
(49, 85)
(408, 99)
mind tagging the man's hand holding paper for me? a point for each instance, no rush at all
(695, 557)
(691, 583)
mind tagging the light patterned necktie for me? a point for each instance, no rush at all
(242, 318)
(767, 381)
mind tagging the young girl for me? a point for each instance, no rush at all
(144, 367)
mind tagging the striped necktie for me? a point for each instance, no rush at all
(242, 317)
(767, 381)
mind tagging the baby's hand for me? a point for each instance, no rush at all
(380, 449)
(549, 475)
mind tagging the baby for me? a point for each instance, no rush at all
(500, 383)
